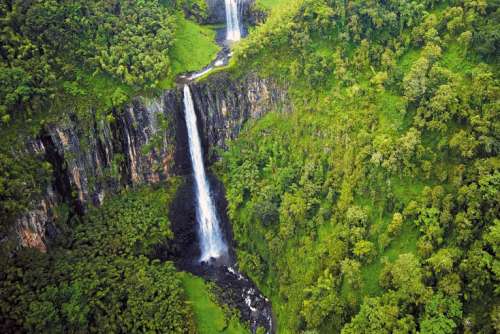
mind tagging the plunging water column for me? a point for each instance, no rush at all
(232, 20)
(211, 242)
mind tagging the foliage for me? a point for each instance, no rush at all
(210, 318)
(102, 280)
(21, 178)
(48, 44)
(393, 139)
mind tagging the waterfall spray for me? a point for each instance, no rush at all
(211, 242)
(232, 21)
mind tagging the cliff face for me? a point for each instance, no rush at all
(247, 8)
(224, 105)
(92, 158)
(216, 11)
(144, 144)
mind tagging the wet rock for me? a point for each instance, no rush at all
(239, 292)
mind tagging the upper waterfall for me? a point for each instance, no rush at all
(232, 20)
(211, 242)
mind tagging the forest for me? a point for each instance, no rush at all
(373, 207)
(369, 203)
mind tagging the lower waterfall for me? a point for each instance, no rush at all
(216, 262)
(211, 241)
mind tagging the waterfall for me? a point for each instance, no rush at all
(232, 20)
(211, 242)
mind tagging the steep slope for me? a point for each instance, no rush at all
(142, 143)
(89, 150)
(373, 206)
(68, 68)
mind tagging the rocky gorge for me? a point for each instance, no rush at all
(93, 155)
(146, 143)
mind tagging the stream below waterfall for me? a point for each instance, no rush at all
(214, 259)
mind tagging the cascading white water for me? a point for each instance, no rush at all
(232, 21)
(212, 244)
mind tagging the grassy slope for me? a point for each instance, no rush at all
(209, 317)
(194, 48)
(269, 4)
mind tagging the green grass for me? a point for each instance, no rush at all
(209, 317)
(405, 242)
(270, 4)
(408, 59)
(194, 48)
(391, 112)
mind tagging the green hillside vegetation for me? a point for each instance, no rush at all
(373, 207)
(193, 49)
(210, 317)
(56, 49)
(270, 4)
(58, 57)
(99, 277)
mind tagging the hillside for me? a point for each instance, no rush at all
(352, 166)
(373, 206)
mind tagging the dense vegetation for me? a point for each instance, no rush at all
(50, 48)
(45, 43)
(60, 57)
(100, 277)
(374, 206)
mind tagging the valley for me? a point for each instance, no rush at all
(240, 166)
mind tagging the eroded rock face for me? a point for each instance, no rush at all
(224, 105)
(145, 144)
(216, 11)
(93, 158)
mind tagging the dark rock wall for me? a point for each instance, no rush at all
(94, 158)
(144, 144)
(224, 105)
(217, 11)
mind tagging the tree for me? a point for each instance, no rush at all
(380, 315)
(321, 301)
(351, 272)
(441, 314)
(396, 223)
(415, 82)
(443, 260)
(364, 250)
(405, 275)
(464, 40)
(465, 143)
